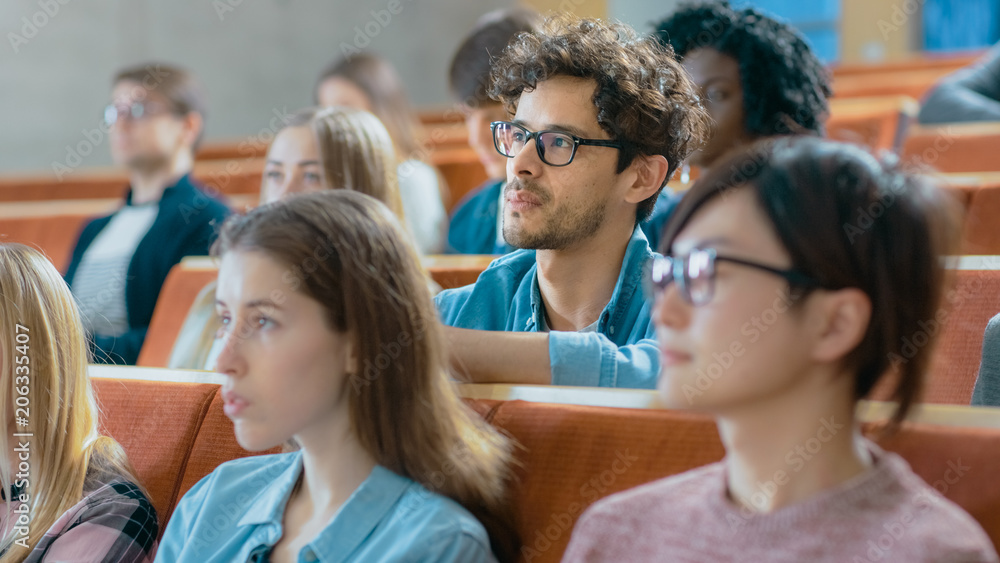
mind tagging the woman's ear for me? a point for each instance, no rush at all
(842, 319)
(650, 173)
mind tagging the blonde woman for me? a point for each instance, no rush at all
(331, 148)
(68, 492)
(331, 339)
(318, 149)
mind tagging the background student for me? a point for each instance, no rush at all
(366, 81)
(120, 261)
(85, 502)
(318, 149)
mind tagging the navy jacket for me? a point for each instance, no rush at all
(185, 225)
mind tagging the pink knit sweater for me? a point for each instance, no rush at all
(886, 514)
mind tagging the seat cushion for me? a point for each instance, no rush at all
(156, 423)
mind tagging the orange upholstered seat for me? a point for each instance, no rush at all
(51, 226)
(981, 234)
(877, 123)
(183, 284)
(911, 82)
(187, 279)
(955, 363)
(229, 177)
(156, 423)
(961, 147)
(570, 455)
(574, 455)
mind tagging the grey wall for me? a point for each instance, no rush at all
(255, 57)
(640, 13)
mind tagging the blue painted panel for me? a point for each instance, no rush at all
(818, 20)
(961, 24)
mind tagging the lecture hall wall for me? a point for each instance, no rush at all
(257, 58)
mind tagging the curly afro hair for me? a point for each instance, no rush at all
(785, 87)
(644, 98)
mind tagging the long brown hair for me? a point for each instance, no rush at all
(348, 252)
(355, 151)
(377, 78)
(39, 320)
(848, 219)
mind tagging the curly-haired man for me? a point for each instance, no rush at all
(601, 119)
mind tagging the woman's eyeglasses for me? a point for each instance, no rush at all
(695, 275)
(554, 147)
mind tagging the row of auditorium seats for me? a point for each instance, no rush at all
(577, 445)
(968, 307)
(52, 225)
(186, 280)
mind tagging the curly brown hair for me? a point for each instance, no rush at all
(645, 100)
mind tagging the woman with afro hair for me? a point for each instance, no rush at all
(758, 76)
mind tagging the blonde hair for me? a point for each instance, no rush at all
(40, 321)
(356, 152)
(403, 407)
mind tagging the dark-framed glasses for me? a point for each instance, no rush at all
(695, 275)
(135, 110)
(555, 148)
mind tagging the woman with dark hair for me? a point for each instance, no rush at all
(758, 76)
(779, 302)
(331, 339)
(366, 81)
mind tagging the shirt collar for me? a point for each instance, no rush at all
(184, 180)
(269, 506)
(371, 503)
(368, 505)
(629, 279)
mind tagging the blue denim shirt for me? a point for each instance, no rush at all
(623, 351)
(235, 514)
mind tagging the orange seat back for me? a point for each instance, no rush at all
(968, 147)
(878, 123)
(182, 286)
(156, 423)
(974, 300)
(574, 455)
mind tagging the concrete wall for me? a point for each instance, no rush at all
(640, 13)
(255, 57)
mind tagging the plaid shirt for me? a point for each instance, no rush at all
(115, 523)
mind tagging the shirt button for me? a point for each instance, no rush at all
(612, 329)
(310, 556)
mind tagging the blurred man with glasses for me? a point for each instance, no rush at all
(155, 120)
(601, 118)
